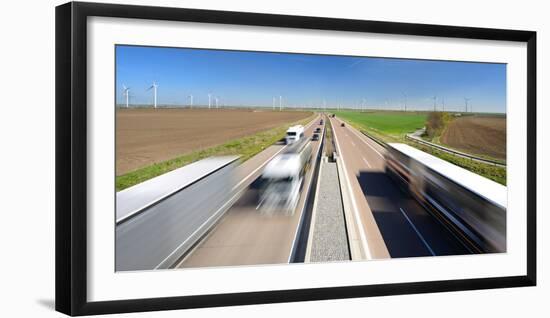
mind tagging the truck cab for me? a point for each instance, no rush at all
(294, 133)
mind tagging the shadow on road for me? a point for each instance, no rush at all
(385, 198)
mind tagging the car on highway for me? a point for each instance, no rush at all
(321, 122)
(342, 125)
(315, 137)
(317, 130)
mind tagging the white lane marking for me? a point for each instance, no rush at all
(266, 161)
(417, 232)
(259, 204)
(234, 197)
(355, 209)
(365, 160)
(207, 223)
(363, 140)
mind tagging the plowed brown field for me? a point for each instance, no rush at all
(481, 135)
(146, 136)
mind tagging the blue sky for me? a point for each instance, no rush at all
(254, 78)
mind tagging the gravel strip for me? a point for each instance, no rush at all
(329, 241)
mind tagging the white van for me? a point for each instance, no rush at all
(294, 134)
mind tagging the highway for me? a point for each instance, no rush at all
(382, 220)
(392, 222)
(245, 235)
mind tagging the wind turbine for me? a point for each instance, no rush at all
(280, 102)
(154, 87)
(466, 100)
(191, 100)
(435, 101)
(405, 100)
(273, 103)
(126, 93)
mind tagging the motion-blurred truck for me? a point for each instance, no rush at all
(283, 177)
(471, 206)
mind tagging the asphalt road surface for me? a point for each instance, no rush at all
(245, 235)
(406, 228)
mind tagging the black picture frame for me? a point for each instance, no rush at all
(71, 157)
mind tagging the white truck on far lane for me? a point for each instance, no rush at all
(294, 134)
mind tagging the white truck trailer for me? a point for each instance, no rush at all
(283, 176)
(472, 206)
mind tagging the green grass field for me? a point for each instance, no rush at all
(392, 127)
(388, 123)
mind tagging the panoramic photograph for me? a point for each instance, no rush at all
(242, 158)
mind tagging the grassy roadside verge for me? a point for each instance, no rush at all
(245, 147)
(329, 145)
(495, 173)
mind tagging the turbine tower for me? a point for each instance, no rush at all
(405, 100)
(280, 102)
(209, 100)
(273, 103)
(154, 87)
(466, 100)
(191, 100)
(126, 93)
(435, 101)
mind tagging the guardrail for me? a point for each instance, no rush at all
(162, 219)
(378, 141)
(455, 152)
(438, 147)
